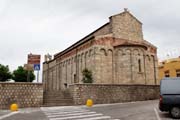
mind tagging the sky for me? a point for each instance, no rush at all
(50, 26)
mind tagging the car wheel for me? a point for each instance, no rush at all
(175, 112)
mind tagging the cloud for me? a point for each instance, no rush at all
(49, 26)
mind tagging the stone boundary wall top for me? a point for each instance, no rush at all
(113, 93)
(23, 94)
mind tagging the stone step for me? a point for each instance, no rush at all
(57, 97)
(57, 92)
(57, 104)
(58, 100)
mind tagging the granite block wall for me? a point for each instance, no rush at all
(113, 93)
(23, 94)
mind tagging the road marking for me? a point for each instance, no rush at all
(97, 118)
(65, 115)
(157, 114)
(56, 108)
(67, 112)
(73, 117)
(77, 112)
(8, 115)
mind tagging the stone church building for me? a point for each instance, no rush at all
(116, 53)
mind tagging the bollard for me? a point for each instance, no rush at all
(14, 107)
(89, 103)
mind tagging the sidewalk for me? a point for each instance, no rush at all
(4, 113)
(7, 114)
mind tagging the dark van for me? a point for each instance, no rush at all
(170, 96)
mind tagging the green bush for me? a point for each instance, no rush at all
(87, 76)
(5, 74)
(20, 75)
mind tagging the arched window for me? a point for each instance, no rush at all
(139, 65)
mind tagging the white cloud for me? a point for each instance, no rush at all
(49, 26)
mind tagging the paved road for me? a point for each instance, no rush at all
(144, 110)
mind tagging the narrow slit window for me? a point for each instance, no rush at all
(139, 65)
(75, 78)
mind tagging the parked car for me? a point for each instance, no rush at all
(170, 96)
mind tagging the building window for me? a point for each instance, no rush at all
(75, 78)
(65, 84)
(166, 74)
(177, 73)
(139, 65)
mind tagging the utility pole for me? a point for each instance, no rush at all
(28, 76)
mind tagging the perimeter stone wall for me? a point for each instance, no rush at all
(113, 93)
(23, 94)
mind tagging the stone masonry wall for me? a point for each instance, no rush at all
(124, 65)
(68, 70)
(126, 26)
(23, 94)
(111, 93)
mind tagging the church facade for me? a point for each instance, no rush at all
(116, 53)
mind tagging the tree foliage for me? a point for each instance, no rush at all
(87, 76)
(5, 74)
(20, 75)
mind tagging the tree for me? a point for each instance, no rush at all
(87, 76)
(20, 75)
(5, 74)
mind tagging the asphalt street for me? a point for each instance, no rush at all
(142, 110)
